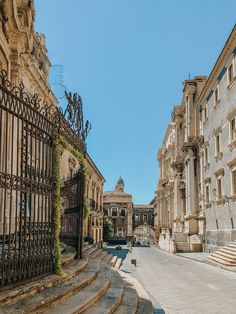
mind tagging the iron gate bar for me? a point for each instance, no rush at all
(26, 186)
(27, 129)
(72, 218)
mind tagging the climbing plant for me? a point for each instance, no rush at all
(60, 144)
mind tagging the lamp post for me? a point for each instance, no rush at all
(214, 201)
(226, 200)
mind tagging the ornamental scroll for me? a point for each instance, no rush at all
(74, 115)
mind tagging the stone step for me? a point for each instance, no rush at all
(113, 260)
(232, 245)
(103, 255)
(28, 289)
(87, 248)
(85, 244)
(129, 301)
(227, 259)
(68, 255)
(118, 263)
(96, 253)
(107, 258)
(47, 297)
(223, 252)
(90, 251)
(228, 249)
(85, 298)
(109, 302)
(218, 261)
(144, 304)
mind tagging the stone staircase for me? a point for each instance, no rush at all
(181, 241)
(225, 256)
(91, 286)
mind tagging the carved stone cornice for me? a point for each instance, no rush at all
(191, 144)
(178, 164)
(177, 115)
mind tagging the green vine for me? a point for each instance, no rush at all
(78, 155)
(61, 144)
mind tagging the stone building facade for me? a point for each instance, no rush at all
(93, 225)
(23, 57)
(180, 214)
(196, 190)
(127, 217)
(118, 206)
(143, 224)
(23, 54)
(218, 152)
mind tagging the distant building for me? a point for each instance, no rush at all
(118, 207)
(143, 215)
(126, 217)
(143, 223)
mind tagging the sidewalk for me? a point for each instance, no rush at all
(201, 257)
(194, 256)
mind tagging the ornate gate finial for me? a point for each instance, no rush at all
(74, 115)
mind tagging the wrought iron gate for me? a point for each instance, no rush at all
(72, 215)
(27, 129)
(26, 185)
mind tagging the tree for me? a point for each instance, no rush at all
(107, 229)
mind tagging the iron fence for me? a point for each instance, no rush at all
(27, 129)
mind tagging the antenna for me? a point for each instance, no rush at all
(57, 80)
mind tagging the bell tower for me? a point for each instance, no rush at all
(120, 185)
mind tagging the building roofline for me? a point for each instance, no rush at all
(143, 206)
(96, 168)
(218, 64)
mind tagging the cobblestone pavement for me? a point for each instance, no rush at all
(180, 285)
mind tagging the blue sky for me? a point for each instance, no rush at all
(127, 59)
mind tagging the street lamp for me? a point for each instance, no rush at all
(214, 201)
(226, 200)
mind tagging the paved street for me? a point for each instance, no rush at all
(179, 285)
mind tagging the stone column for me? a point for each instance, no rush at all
(162, 210)
(178, 168)
(129, 221)
(177, 200)
(191, 225)
(201, 215)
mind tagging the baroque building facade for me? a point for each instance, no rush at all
(218, 152)
(117, 206)
(143, 223)
(127, 218)
(195, 194)
(23, 54)
(93, 224)
(23, 57)
(180, 214)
